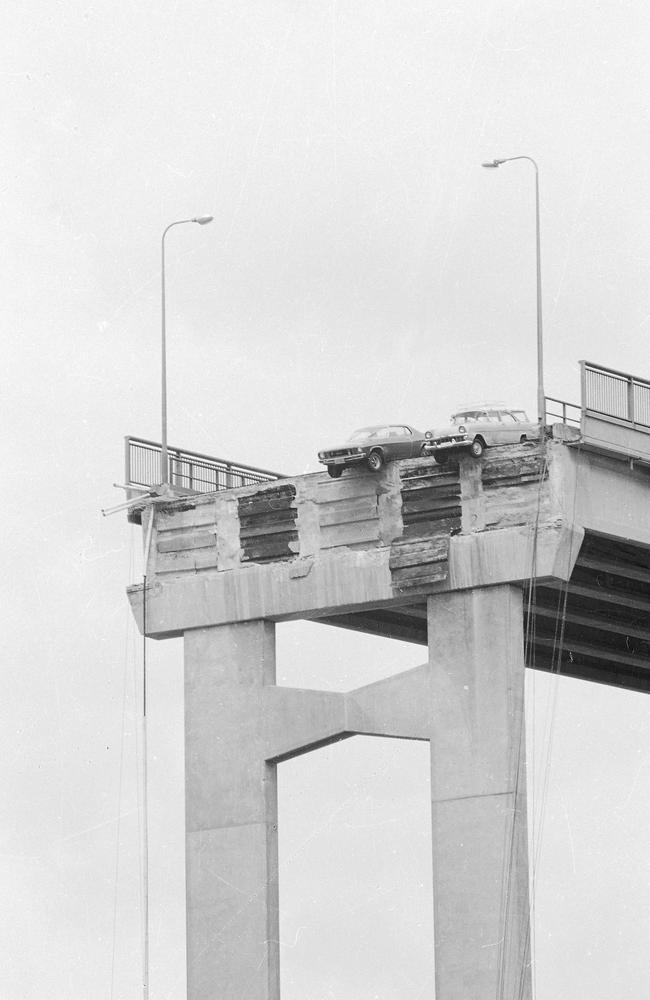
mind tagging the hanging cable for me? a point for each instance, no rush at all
(551, 711)
(530, 641)
(516, 760)
(556, 669)
(145, 818)
(127, 637)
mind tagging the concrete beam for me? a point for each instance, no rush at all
(298, 720)
(602, 493)
(347, 581)
(398, 706)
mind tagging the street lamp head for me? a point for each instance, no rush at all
(203, 219)
(493, 163)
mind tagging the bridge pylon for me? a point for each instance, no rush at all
(480, 563)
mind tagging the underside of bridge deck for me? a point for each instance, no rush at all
(596, 627)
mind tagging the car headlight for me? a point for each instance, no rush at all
(428, 434)
(462, 429)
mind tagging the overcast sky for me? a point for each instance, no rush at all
(361, 267)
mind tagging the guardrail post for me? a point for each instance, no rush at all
(630, 399)
(127, 460)
(583, 395)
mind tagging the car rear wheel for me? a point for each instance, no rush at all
(477, 447)
(375, 461)
(335, 471)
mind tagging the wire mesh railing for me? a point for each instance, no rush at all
(615, 394)
(187, 469)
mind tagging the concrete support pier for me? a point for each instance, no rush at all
(478, 787)
(442, 556)
(231, 815)
(469, 702)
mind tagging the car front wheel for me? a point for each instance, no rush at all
(375, 461)
(477, 448)
(335, 471)
(441, 457)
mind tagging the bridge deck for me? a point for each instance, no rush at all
(364, 552)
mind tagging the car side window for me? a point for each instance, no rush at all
(508, 418)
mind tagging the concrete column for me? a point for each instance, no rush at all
(231, 816)
(478, 786)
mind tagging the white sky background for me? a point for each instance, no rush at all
(361, 267)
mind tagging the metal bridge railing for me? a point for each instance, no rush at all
(615, 394)
(187, 469)
(565, 413)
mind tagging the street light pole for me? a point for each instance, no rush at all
(541, 398)
(164, 456)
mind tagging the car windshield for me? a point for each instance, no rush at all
(469, 417)
(380, 433)
(362, 434)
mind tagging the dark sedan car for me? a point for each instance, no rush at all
(373, 446)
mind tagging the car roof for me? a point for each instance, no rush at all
(488, 409)
(378, 427)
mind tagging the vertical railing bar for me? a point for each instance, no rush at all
(127, 460)
(630, 400)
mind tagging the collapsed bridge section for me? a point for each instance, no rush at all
(363, 552)
(536, 554)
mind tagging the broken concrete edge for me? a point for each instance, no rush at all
(334, 583)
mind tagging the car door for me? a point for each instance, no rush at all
(414, 443)
(382, 439)
(393, 446)
(510, 429)
(402, 441)
(496, 430)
